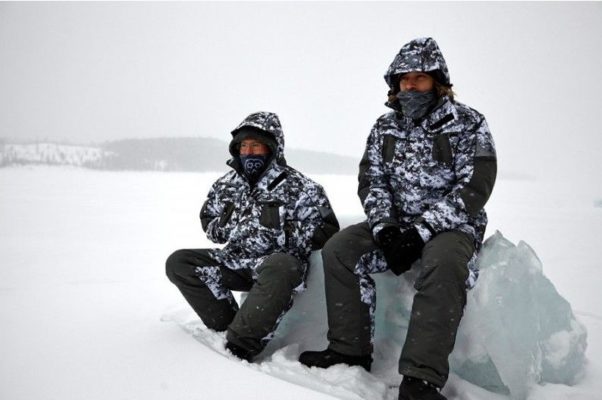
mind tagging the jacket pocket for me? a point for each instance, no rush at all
(388, 148)
(270, 215)
(226, 213)
(442, 151)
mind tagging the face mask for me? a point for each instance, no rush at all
(414, 104)
(254, 164)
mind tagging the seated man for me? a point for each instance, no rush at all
(271, 217)
(428, 169)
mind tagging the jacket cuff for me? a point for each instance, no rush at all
(380, 226)
(377, 228)
(425, 230)
(424, 233)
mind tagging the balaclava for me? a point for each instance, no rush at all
(421, 54)
(416, 104)
(254, 164)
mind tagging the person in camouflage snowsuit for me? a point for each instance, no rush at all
(270, 217)
(427, 172)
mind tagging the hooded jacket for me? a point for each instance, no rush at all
(423, 55)
(283, 212)
(435, 173)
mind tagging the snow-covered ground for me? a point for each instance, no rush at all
(85, 307)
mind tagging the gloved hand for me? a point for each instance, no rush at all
(401, 249)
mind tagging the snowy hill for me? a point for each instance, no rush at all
(160, 154)
(52, 154)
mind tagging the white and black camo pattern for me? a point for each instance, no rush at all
(267, 122)
(369, 263)
(212, 278)
(428, 162)
(422, 54)
(268, 217)
(414, 183)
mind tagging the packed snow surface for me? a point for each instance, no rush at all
(87, 311)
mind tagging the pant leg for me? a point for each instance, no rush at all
(267, 302)
(206, 285)
(438, 307)
(349, 256)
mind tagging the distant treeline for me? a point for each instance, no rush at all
(163, 154)
(166, 154)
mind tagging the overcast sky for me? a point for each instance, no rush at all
(89, 72)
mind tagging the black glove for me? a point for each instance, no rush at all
(401, 249)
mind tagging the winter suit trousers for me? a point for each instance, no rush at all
(351, 255)
(207, 286)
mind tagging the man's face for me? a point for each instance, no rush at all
(253, 147)
(416, 81)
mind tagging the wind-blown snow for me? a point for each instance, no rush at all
(87, 311)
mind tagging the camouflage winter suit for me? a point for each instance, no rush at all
(269, 229)
(434, 174)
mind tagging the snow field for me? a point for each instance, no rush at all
(83, 288)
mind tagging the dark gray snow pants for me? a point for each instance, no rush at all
(351, 255)
(270, 295)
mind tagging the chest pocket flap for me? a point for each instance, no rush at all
(442, 151)
(270, 215)
(389, 148)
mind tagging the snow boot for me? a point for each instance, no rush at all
(418, 389)
(239, 352)
(328, 357)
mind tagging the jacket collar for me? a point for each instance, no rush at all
(438, 120)
(441, 117)
(268, 178)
